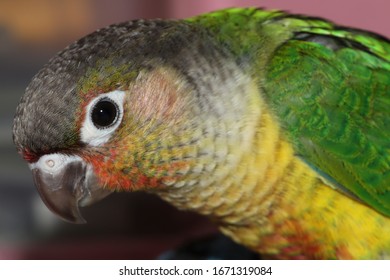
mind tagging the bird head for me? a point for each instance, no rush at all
(138, 105)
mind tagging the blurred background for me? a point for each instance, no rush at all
(125, 226)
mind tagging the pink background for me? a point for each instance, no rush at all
(371, 15)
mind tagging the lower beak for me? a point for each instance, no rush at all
(65, 183)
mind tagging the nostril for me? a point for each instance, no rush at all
(53, 163)
(50, 163)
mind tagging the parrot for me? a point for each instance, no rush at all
(276, 126)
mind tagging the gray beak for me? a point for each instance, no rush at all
(65, 183)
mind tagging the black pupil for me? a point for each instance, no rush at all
(104, 113)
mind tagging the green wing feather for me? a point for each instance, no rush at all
(329, 87)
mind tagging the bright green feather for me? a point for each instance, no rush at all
(328, 86)
(334, 106)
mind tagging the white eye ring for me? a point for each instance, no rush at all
(96, 135)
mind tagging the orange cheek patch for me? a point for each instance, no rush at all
(118, 176)
(111, 177)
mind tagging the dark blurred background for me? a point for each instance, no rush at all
(124, 226)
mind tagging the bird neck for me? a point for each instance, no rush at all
(275, 204)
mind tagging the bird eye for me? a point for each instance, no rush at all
(104, 113)
(103, 116)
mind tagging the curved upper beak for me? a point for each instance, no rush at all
(65, 183)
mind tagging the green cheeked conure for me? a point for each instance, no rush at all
(276, 126)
